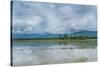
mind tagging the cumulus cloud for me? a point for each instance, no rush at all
(36, 17)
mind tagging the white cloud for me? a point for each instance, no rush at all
(34, 21)
(67, 10)
(53, 18)
(54, 25)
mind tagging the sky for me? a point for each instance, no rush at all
(55, 18)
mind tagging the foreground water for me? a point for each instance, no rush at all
(36, 53)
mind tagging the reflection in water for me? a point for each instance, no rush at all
(33, 53)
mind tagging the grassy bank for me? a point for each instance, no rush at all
(55, 40)
(64, 38)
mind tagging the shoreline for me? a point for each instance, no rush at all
(52, 40)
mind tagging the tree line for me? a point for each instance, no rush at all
(62, 37)
(76, 37)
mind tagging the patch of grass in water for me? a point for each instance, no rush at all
(81, 59)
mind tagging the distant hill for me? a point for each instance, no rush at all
(86, 33)
(34, 35)
(48, 35)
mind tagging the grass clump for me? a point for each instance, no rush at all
(82, 59)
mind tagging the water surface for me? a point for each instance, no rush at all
(36, 53)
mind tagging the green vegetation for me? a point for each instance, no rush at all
(80, 37)
(81, 59)
(62, 37)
